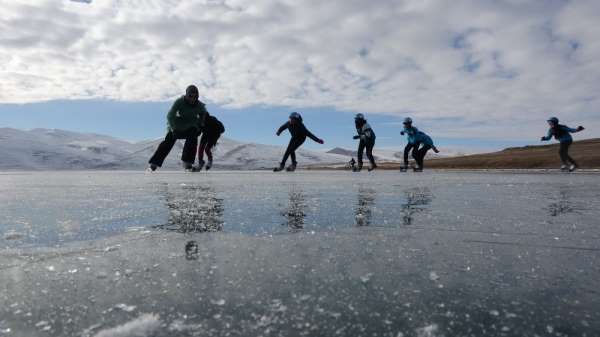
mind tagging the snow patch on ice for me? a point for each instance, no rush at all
(433, 276)
(428, 331)
(220, 302)
(144, 325)
(125, 307)
(13, 236)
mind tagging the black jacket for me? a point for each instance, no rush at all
(213, 128)
(297, 130)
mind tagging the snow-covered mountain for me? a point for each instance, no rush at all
(44, 149)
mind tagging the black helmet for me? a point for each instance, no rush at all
(553, 120)
(359, 116)
(295, 115)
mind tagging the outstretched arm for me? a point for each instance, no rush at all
(548, 136)
(313, 137)
(283, 127)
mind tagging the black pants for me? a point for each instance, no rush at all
(291, 149)
(189, 148)
(361, 147)
(564, 153)
(407, 149)
(207, 142)
(419, 154)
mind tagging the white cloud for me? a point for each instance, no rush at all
(474, 60)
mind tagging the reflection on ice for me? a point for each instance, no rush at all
(194, 209)
(296, 211)
(563, 204)
(416, 201)
(364, 208)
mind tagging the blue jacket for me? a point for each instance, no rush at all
(423, 138)
(411, 134)
(562, 133)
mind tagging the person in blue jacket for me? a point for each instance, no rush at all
(562, 133)
(410, 131)
(415, 139)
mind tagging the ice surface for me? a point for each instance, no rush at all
(308, 253)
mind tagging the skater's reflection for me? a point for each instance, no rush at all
(563, 204)
(194, 209)
(295, 213)
(364, 208)
(416, 201)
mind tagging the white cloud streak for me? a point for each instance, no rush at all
(474, 60)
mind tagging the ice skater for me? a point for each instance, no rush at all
(415, 139)
(562, 133)
(352, 163)
(213, 130)
(410, 131)
(299, 133)
(367, 140)
(185, 120)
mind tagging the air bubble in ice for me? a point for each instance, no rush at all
(366, 278)
(125, 307)
(218, 302)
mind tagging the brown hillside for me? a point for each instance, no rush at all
(585, 152)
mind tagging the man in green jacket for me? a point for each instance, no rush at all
(185, 120)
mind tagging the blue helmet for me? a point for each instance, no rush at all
(407, 120)
(553, 120)
(295, 115)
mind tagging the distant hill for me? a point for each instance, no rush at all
(585, 152)
(385, 155)
(50, 149)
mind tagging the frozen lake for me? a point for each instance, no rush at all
(302, 254)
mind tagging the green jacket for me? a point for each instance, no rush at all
(184, 116)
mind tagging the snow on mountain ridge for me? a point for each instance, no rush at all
(55, 149)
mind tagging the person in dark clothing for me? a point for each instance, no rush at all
(213, 130)
(299, 133)
(352, 163)
(562, 133)
(185, 120)
(367, 140)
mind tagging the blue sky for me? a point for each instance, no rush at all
(474, 74)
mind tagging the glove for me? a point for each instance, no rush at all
(580, 128)
(402, 133)
(277, 133)
(356, 137)
(543, 139)
(321, 141)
